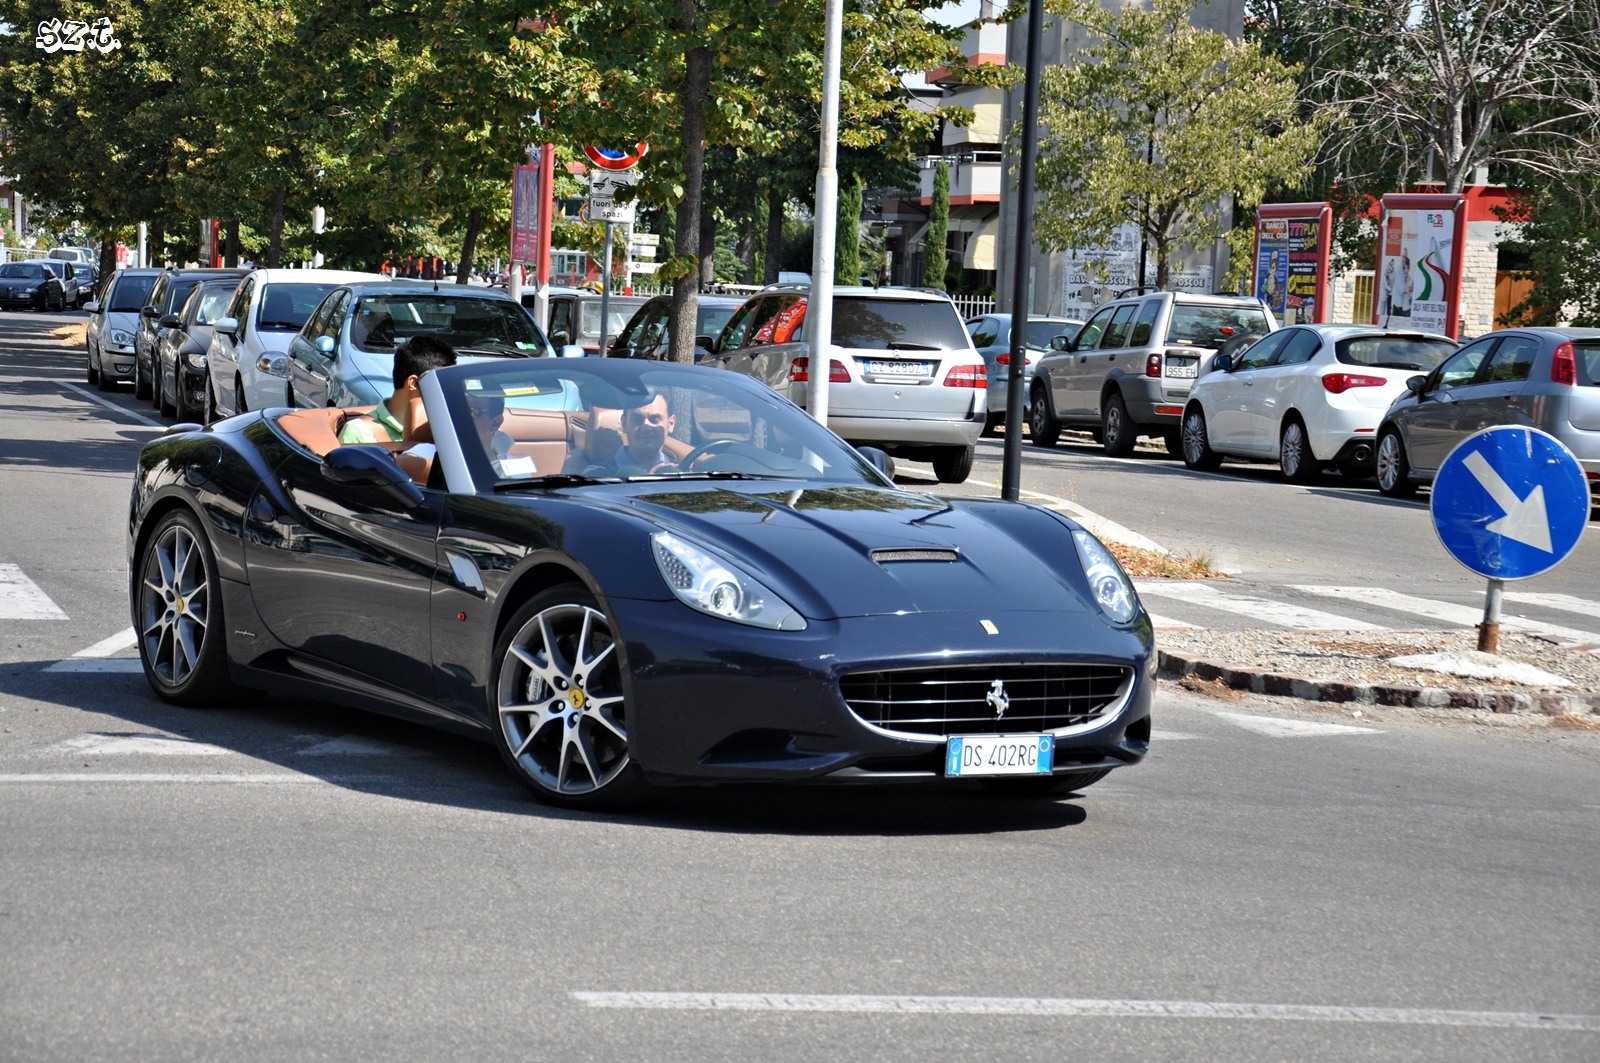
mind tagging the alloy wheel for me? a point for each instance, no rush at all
(560, 701)
(1294, 445)
(1388, 462)
(174, 605)
(1194, 437)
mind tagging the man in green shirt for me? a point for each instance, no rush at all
(385, 424)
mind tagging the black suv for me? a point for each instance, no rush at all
(172, 289)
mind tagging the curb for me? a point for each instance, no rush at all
(1258, 681)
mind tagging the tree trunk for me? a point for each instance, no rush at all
(1163, 263)
(158, 245)
(230, 248)
(708, 246)
(776, 203)
(469, 245)
(686, 289)
(108, 257)
(275, 247)
(747, 245)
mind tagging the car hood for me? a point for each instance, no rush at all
(815, 546)
(123, 321)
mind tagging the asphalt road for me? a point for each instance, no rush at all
(295, 881)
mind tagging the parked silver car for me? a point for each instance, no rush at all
(991, 335)
(113, 323)
(1545, 378)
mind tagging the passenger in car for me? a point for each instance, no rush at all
(386, 422)
(488, 410)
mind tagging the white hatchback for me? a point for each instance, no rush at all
(1310, 396)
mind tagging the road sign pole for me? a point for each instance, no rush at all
(819, 306)
(605, 290)
(1017, 379)
(1489, 630)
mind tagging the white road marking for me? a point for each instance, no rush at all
(21, 598)
(348, 746)
(105, 745)
(139, 777)
(92, 397)
(1449, 612)
(1048, 1006)
(1278, 727)
(1171, 736)
(122, 640)
(99, 665)
(1167, 621)
(1282, 614)
(1564, 602)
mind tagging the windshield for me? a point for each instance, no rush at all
(22, 270)
(178, 293)
(58, 268)
(285, 307)
(620, 311)
(710, 319)
(620, 419)
(1040, 333)
(128, 294)
(213, 305)
(1394, 352)
(1209, 326)
(382, 322)
(898, 324)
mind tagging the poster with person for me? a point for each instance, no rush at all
(1419, 263)
(1291, 264)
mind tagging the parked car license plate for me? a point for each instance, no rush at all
(999, 755)
(876, 368)
(1191, 370)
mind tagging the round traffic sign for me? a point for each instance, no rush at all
(612, 159)
(1510, 502)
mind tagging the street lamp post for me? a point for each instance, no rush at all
(319, 221)
(1011, 468)
(819, 307)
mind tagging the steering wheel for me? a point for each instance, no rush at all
(713, 447)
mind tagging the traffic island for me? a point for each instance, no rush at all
(1410, 669)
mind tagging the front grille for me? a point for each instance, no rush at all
(955, 700)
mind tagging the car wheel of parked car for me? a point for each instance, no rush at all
(557, 696)
(1295, 459)
(178, 613)
(1045, 785)
(1197, 452)
(1393, 468)
(94, 370)
(141, 386)
(1043, 428)
(1117, 431)
(992, 422)
(952, 465)
(239, 404)
(210, 412)
(168, 409)
(180, 406)
(107, 382)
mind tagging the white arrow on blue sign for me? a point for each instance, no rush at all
(1510, 502)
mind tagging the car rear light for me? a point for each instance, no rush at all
(1152, 365)
(1564, 366)
(1005, 359)
(1338, 383)
(800, 371)
(967, 376)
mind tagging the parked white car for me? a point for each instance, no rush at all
(1310, 396)
(248, 363)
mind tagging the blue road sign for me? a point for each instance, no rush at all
(1510, 502)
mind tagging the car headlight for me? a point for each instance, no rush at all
(717, 587)
(122, 339)
(30, 290)
(274, 365)
(1113, 591)
(197, 359)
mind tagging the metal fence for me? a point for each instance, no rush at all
(1361, 312)
(973, 305)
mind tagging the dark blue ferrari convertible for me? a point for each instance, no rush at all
(628, 573)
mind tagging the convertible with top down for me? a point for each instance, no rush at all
(755, 600)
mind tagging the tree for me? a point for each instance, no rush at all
(1560, 241)
(1154, 123)
(938, 228)
(847, 259)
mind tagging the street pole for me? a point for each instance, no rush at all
(144, 231)
(514, 283)
(819, 308)
(319, 220)
(1011, 469)
(1489, 630)
(605, 291)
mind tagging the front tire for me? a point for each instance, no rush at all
(952, 465)
(105, 381)
(1046, 786)
(1197, 452)
(557, 696)
(1392, 469)
(94, 370)
(178, 615)
(1117, 431)
(1298, 464)
(169, 409)
(1043, 428)
(141, 386)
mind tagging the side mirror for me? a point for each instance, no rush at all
(170, 321)
(363, 465)
(92, 306)
(228, 326)
(1416, 384)
(705, 343)
(150, 312)
(560, 338)
(878, 460)
(325, 345)
(1061, 343)
(1222, 363)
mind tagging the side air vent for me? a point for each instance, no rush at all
(883, 557)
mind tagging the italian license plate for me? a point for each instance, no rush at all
(922, 369)
(1191, 371)
(999, 755)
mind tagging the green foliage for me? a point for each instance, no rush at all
(1561, 238)
(847, 253)
(1156, 121)
(938, 228)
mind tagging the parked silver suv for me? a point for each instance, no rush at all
(903, 375)
(1128, 371)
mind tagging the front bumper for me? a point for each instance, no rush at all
(773, 709)
(117, 362)
(25, 302)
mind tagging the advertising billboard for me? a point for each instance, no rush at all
(1291, 260)
(1095, 276)
(525, 212)
(1421, 249)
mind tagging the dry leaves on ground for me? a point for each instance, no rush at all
(1147, 564)
(71, 335)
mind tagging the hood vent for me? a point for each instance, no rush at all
(883, 557)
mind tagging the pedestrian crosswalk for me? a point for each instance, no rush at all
(21, 598)
(1201, 604)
